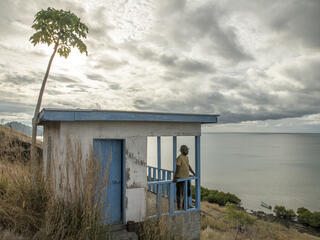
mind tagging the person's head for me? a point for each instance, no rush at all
(184, 150)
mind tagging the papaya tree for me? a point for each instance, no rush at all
(63, 30)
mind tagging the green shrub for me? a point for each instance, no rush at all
(215, 196)
(241, 218)
(306, 217)
(283, 213)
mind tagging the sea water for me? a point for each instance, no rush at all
(278, 169)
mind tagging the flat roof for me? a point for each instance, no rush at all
(50, 114)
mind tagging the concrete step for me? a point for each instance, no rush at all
(117, 227)
(124, 235)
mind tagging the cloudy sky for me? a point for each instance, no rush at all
(256, 63)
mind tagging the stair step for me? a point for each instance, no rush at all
(117, 227)
(124, 235)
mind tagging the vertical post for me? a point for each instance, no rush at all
(198, 189)
(123, 182)
(171, 197)
(158, 203)
(169, 178)
(163, 185)
(174, 156)
(154, 179)
(159, 157)
(185, 195)
(149, 176)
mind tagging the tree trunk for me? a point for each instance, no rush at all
(35, 117)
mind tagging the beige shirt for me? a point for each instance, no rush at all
(182, 169)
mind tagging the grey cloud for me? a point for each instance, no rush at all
(204, 25)
(98, 77)
(170, 7)
(299, 19)
(307, 74)
(53, 92)
(173, 63)
(15, 107)
(61, 78)
(16, 79)
(293, 21)
(191, 65)
(109, 63)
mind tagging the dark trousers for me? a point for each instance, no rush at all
(180, 193)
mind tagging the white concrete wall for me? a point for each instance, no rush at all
(135, 135)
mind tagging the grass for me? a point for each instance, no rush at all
(28, 212)
(216, 223)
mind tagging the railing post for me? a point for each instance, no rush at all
(174, 150)
(198, 189)
(171, 197)
(185, 195)
(163, 172)
(154, 179)
(174, 140)
(149, 177)
(158, 203)
(159, 157)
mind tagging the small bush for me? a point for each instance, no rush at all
(243, 219)
(215, 196)
(156, 229)
(306, 217)
(283, 213)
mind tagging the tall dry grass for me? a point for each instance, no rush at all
(41, 213)
(156, 229)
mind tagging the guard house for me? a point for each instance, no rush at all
(120, 139)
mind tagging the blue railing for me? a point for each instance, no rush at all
(156, 175)
(160, 182)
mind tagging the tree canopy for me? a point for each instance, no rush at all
(61, 28)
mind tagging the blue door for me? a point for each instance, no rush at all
(110, 154)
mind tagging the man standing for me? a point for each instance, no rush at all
(182, 171)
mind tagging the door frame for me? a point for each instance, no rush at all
(123, 175)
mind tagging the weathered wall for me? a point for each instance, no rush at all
(66, 136)
(186, 225)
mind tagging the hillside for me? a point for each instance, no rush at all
(16, 145)
(217, 224)
(23, 128)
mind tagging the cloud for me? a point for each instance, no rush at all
(16, 79)
(244, 60)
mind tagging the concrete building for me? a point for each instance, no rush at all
(119, 140)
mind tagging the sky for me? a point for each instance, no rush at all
(255, 63)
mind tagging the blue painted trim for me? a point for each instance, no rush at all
(96, 115)
(175, 213)
(159, 157)
(124, 182)
(171, 197)
(174, 147)
(198, 189)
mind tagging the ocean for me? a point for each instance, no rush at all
(279, 169)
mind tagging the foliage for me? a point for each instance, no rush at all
(283, 213)
(37, 213)
(61, 28)
(156, 229)
(215, 196)
(242, 218)
(22, 209)
(307, 217)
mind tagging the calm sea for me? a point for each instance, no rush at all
(279, 169)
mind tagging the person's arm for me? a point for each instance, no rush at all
(191, 170)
